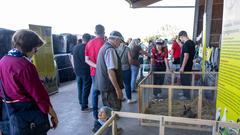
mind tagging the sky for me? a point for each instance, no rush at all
(81, 16)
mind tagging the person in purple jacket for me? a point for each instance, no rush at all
(20, 78)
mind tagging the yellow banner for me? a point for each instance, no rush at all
(228, 96)
(43, 60)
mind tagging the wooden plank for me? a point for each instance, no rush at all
(196, 128)
(172, 79)
(170, 93)
(176, 126)
(180, 87)
(139, 115)
(140, 99)
(199, 113)
(161, 126)
(193, 83)
(114, 127)
(189, 121)
(229, 125)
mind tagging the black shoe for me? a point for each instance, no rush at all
(134, 91)
(86, 110)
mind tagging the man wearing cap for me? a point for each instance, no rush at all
(186, 61)
(91, 53)
(108, 74)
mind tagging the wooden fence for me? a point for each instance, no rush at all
(163, 120)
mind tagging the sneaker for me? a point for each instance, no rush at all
(86, 110)
(131, 101)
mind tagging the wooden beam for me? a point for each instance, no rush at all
(169, 7)
(142, 3)
(199, 111)
(106, 125)
(180, 87)
(170, 95)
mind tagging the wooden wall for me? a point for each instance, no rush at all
(214, 23)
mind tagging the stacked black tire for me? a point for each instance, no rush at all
(5, 41)
(62, 47)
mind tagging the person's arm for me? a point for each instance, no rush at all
(113, 78)
(185, 60)
(129, 57)
(89, 62)
(167, 64)
(143, 53)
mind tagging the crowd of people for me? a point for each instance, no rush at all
(103, 67)
(114, 65)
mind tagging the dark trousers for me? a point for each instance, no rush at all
(186, 81)
(95, 94)
(84, 86)
(158, 78)
(127, 83)
(110, 99)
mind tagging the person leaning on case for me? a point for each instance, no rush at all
(20, 78)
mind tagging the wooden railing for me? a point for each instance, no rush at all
(163, 120)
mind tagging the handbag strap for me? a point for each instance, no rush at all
(4, 99)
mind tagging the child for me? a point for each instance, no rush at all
(103, 115)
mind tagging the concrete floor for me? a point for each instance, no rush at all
(73, 122)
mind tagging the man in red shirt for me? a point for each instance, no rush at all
(176, 52)
(91, 53)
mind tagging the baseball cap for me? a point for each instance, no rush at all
(159, 42)
(116, 34)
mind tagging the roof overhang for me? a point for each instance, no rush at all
(141, 3)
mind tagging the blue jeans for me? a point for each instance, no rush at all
(84, 86)
(134, 74)
(95, 94)
(127, 83)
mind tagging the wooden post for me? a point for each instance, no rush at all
(170, 93)
(140, 99)
(214, 129)
(161, 126)
(114, 127)
(173, 75)
(193, 83)
(199, 103)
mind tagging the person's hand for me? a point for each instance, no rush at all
(54, 121)
(181, 70)
(119, 94)
(54, 118)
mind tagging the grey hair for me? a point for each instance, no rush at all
(133, 43)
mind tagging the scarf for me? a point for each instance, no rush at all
(15, 52)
